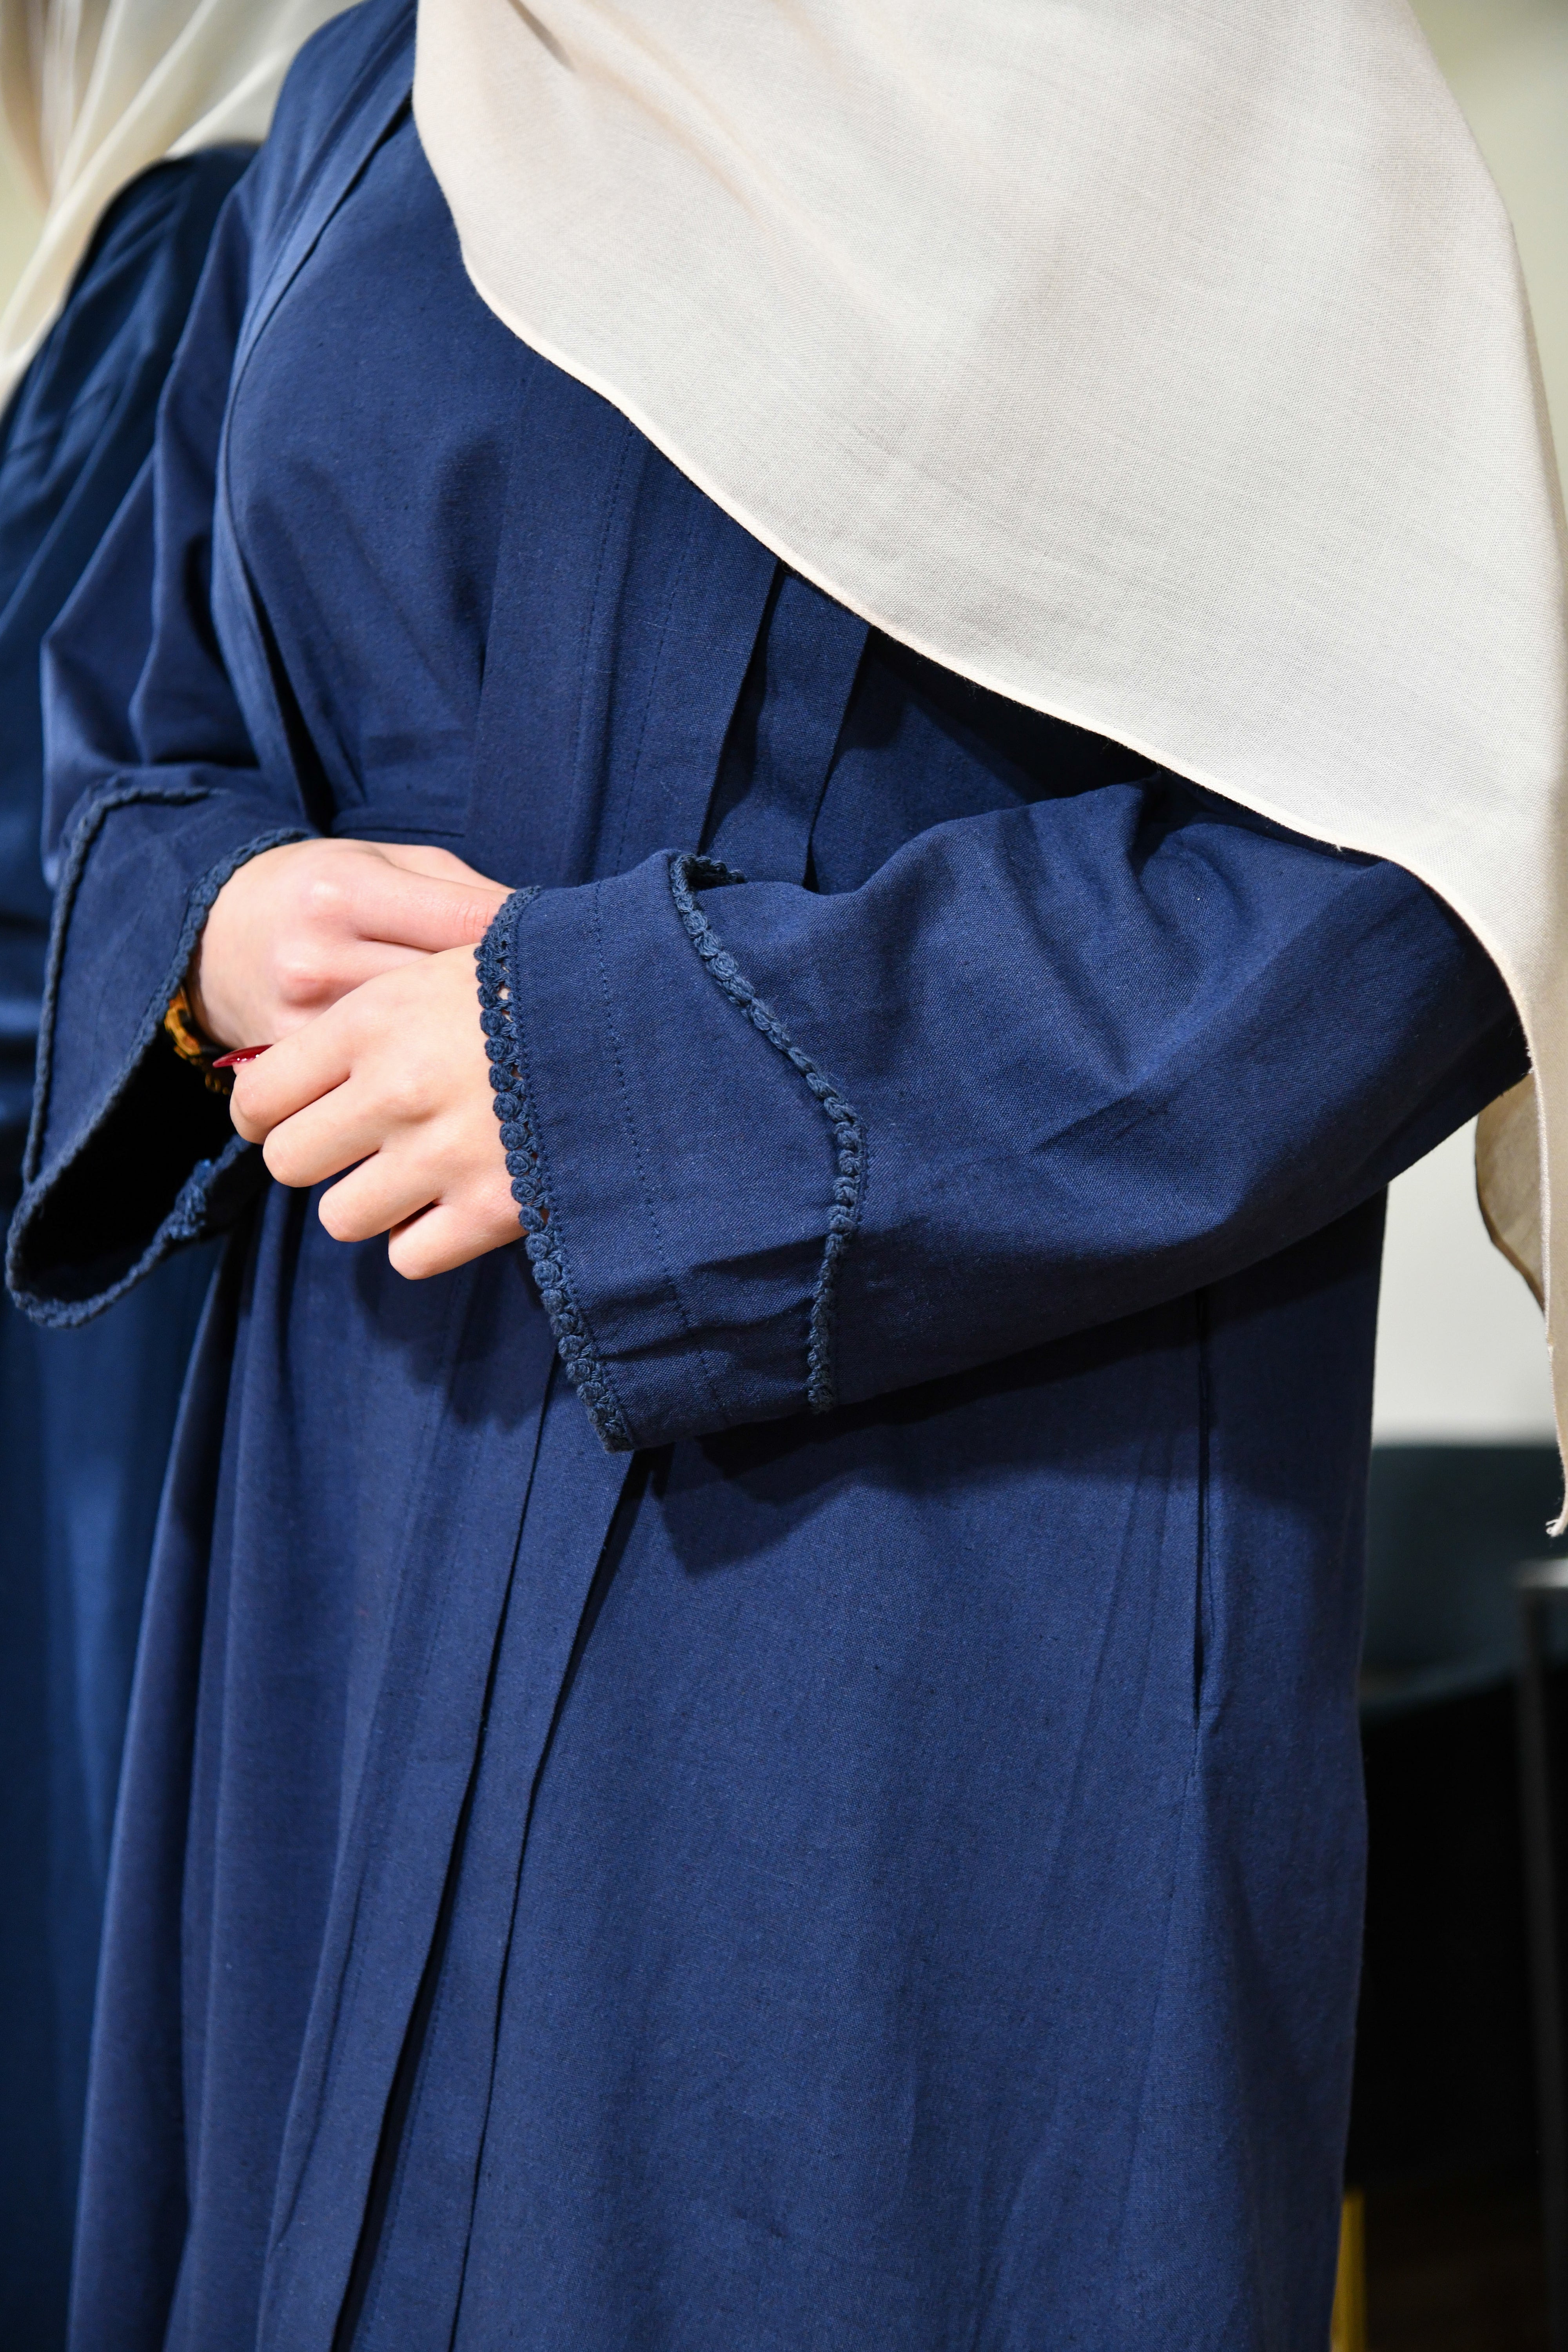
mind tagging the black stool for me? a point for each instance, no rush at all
(1541, 1585)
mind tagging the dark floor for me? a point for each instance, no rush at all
(1455, 2266)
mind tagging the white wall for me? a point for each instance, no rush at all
(1460, 1352)
(1460, 1355)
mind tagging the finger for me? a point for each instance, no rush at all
(305, 995)
(421, 857)
(382, 1192)
(298, 1069)
(337, 1132)
(422, 910)
(366, 895)
(452, 1233)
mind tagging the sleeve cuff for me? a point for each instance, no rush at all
(129, 1155)
(687, 1179)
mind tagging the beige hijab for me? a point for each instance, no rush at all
(1162, 363)
(94, 92)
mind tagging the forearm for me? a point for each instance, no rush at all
(781, 1149)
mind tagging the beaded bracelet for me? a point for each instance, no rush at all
(181, 1028)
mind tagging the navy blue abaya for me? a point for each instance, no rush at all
(786, 1776)
(85, 1416)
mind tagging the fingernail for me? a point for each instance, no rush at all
(240, 1053)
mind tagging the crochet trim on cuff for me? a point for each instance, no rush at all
(519, 1134)
(188, 1219)
(688, 873)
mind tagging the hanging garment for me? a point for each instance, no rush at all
(127, 121)
(87, 1416)
(92, 92)
(787, 1774)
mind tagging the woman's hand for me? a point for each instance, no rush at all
(394, 1082)
(298, 927)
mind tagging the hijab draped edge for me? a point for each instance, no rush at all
(92, 92)
(1164, 366)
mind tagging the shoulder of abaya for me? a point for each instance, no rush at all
(320, 92)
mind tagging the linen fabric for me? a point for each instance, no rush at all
(88, 1415)
(86, 1418)
(888, 1873)
(1164, 366)
(73, 438)
(94, 92)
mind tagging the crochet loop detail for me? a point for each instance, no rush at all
(688, 873)
(519, 1135)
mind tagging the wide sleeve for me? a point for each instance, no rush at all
(154, 798)
(777, 1150)
(72, 442)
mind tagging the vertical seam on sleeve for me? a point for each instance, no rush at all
(717, 1415)
(688, 873)
(520, 1138)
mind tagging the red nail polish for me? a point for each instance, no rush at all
(240, 1053)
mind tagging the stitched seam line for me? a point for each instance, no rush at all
(602, 685)
(687, 874)
(525, 1166)
(634, 767)
(715, 1403)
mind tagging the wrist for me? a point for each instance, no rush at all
(186, 1028)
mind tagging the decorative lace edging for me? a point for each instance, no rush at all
(187, 1219)
(198, 905)
(688, 873)
(519, 1135)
